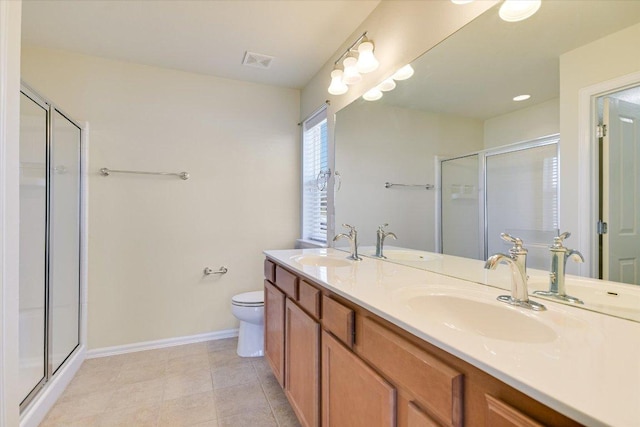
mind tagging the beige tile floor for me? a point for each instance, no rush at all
(204, 384)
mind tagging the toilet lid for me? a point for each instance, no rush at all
(249, 298)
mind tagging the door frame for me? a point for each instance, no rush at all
(588, 170)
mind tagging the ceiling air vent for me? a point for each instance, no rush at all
(257, 60)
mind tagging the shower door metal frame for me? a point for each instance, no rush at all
(50, 108)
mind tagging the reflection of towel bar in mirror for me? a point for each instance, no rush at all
(107, 172)
(425, 186)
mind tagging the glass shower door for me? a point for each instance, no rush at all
(33, 210)
(522, 200)
(64, 254)
(460, 214)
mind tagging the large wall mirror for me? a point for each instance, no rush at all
(459, 108)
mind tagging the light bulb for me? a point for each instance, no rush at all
(367, 62)
(351, 74)
(337, 86)
(518, 10)
(372, 94)
(403, 73)
(387, 85)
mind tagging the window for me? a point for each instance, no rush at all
(315, 177)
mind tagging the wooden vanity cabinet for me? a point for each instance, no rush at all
(341, 365)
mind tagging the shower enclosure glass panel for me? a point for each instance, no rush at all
(64, 261)
(461, 208)
(33, 210)
(522, 200)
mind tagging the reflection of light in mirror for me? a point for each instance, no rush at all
(372, 94)
(387, 85)
(367, 62)
(523, 97)
(518, 10)
(403, 73)
(337, 86)
(351, 75)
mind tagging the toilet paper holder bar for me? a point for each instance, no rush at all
(209, 271)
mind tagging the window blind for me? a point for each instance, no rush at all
(314, 161)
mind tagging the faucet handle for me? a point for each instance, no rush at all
(380, 227)
(557, 241)
(350, 227)
(517, 242)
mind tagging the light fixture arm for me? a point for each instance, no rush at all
(351, 48)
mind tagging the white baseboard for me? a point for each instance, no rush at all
(169, 342)
(35, 413)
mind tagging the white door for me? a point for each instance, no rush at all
(621, 192)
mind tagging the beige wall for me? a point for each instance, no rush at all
(378, 143)
(523, 125)
(10, 19)
(150, 237)
(610, 57)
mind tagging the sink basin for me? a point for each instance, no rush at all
(404, 255)
(492, 320)
(321, 261)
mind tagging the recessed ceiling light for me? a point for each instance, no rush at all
(521, 97)
(518, 10)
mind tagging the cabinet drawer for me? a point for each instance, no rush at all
(287, 282)
(269, 271)
(500, 414)
(309, 298)
(338, 320)
(436, 386)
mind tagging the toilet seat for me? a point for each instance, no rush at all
(249, 299)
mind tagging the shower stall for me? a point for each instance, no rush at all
(50, 242)
(512, 189)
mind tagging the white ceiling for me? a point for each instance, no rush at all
(208, 37)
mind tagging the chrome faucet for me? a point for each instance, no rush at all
(517, 261)
(353, 241)
(380, 236)
(559, 256)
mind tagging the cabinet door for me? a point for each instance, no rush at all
(500, 414)
(274, 301)
(353, 394)
(302, 360)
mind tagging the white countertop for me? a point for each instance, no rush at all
(589, 371)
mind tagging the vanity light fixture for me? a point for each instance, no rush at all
(337, 86)
(403, 73)
(372, 94)
(357, 59)
(523, 97)
(518, 10)
(387, 85)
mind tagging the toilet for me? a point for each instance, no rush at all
(248, 307)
